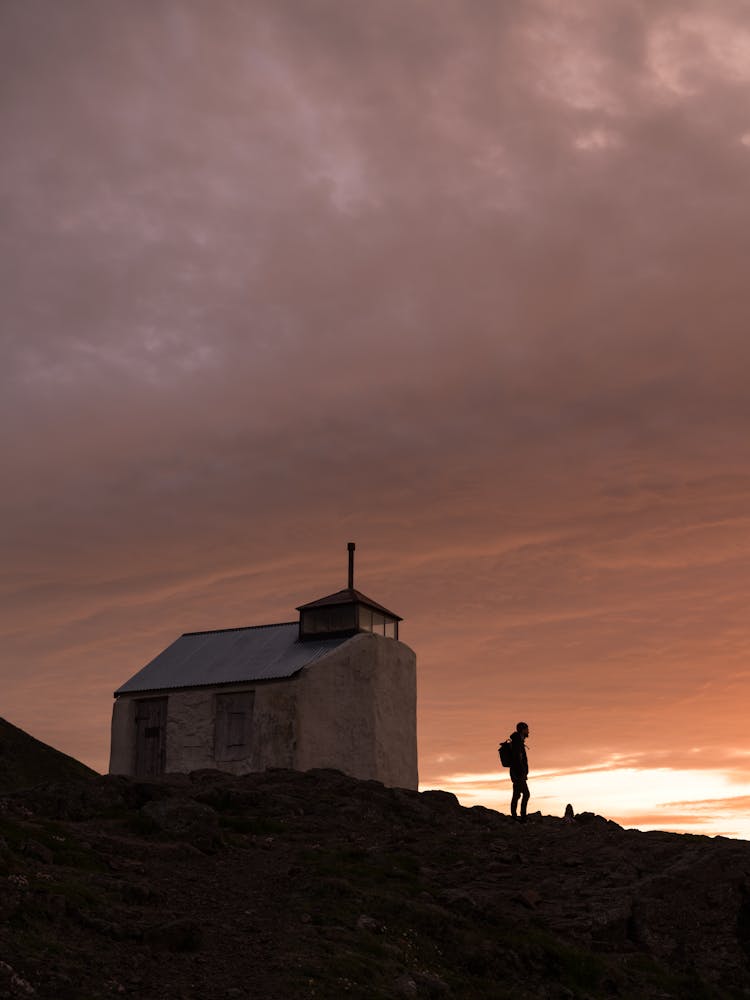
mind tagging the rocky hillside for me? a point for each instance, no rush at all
(26, 761)
(290, 885)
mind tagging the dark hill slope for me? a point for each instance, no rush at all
(289, 885)
(25, 761)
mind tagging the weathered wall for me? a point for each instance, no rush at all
(396, 756)
(190, 730)
(354, 709)
(191, 722)
(357, 711)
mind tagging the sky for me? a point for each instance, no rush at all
(463, 281)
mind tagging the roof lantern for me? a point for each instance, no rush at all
(346, 613)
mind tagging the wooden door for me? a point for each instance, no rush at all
(150, 736)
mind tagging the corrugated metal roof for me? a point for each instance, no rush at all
(259, 652)
(347, 596)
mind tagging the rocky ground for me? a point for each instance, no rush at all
(315, 885)
(26, 761)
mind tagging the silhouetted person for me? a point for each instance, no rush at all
(519, 770)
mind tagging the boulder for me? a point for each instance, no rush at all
(185, 819)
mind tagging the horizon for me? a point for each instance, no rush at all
(485, 790)
(467, 284)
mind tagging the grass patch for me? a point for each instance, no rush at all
(365, 868)
(67, 850)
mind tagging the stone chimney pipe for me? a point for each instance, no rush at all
(351, 547)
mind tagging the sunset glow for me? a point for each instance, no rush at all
(464, 282)
(709, 802)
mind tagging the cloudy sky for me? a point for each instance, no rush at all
(465, 281)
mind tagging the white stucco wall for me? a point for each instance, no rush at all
(354, 710)
(357, 711)
(122, 745)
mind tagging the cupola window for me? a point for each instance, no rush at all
(346, 613)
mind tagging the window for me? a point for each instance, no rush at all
(235, 729)
(365, 619)
(376, 621)
(346, 619)
(327, 620)
(234, 725)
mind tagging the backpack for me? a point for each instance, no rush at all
(505, 751)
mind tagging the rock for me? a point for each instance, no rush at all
(177, 935)
(430, 985)
(138, 893)
(75, 800)
(586, 817)
(10, 902)
(33, 849)
(106, 928)
(612, 926)
(53, 905)
(221, 798)
(459, 902)
(439, 799)
(405, 986)
(530, 898)
(184, 819)
(365, 923)
(17, 985)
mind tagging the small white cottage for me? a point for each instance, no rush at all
(335, 688)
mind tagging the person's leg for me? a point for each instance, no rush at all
(525, 796)
(515, 798)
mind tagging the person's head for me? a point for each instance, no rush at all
(523, 729)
